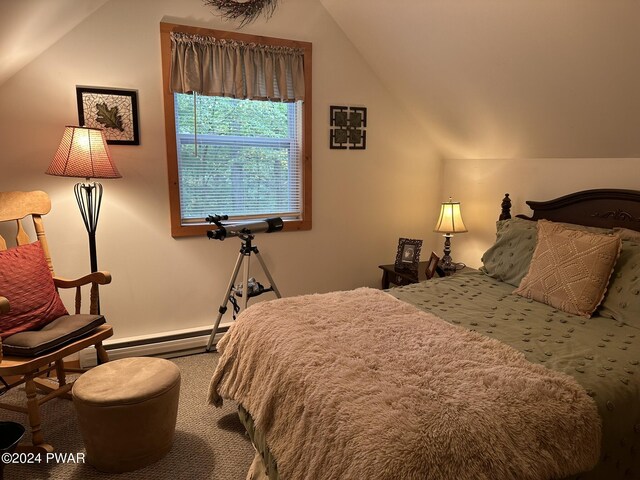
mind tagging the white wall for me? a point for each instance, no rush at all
(362, 200)
(480, 185)
(538, 98)
(518, 99)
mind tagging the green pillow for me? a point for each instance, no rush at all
(622, 301)
(627, 234)
(508, 259)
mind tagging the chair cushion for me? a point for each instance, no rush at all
(61, 331)
(26, 281)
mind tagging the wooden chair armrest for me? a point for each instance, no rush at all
(4, 305)
(94, 279)
(101, 278)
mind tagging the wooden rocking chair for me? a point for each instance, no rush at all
(71, 333)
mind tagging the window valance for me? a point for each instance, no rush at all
(231, 68)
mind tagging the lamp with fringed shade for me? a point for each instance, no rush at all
(449, 222)
(83, 153)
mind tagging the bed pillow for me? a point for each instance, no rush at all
(627, 234)
(570, 269)
(26, 281)
(508, 259)
(622, 301)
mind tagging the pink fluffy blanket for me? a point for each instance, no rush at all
(358, 384)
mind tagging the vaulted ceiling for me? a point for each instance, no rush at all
(29, 27)
(482, 78)
(508, 79)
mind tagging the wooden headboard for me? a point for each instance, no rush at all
(606, 208)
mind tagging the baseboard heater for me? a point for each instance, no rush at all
(167, 345)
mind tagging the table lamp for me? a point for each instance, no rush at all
(450, 222)
(83, 152)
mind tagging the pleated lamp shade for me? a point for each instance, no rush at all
(450, 220)
(83, 153)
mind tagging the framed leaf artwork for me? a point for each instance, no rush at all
(113, 110)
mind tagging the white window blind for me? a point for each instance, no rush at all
(241, 158)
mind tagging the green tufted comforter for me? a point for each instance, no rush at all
(603, 355)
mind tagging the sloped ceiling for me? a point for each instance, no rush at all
(29, 27)
(484, 78)
(508, 79)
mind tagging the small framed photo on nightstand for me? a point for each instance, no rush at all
(408, 255)
(432, 266)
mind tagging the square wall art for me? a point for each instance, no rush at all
(348, 128)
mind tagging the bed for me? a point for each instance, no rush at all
(566, 404)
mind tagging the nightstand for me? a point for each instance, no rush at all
(402, 277)
(405, 277)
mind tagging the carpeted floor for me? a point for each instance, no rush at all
(210, 442)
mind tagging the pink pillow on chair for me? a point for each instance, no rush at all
(26, 281)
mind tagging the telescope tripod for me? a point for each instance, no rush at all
(245, 254)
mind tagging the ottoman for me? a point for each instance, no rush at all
(127, 412)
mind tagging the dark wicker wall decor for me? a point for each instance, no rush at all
(246, 11)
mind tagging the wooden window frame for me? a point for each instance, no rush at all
(178, 229)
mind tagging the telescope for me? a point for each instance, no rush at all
(243, 229)
(249, 287)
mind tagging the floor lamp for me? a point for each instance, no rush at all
(83, 153)
(449, 222)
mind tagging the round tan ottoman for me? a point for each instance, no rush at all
(127, 412)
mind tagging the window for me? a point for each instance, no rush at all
(245, 157)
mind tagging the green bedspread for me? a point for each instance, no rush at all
(602, 354)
